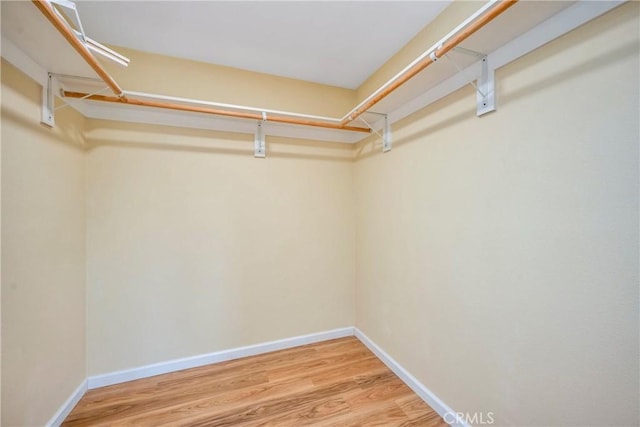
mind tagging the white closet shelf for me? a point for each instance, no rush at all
(511, 33)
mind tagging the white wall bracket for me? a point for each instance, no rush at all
(48, 102)
(386, 130)
(75, 17)
(486, 90)
(259, 146)
(386, 135)
(469, 52)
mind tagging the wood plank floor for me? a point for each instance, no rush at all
(333, 383)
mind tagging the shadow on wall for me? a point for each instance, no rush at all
(157, 137)
(373, 146)
(559, 78)
(21, 106)
(67, 133)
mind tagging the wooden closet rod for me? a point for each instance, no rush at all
(206, 110)
(482, 17)
(429, 58)
(62, 27)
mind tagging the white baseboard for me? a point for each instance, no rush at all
(216, 357)
(68, 405)
(425, 394)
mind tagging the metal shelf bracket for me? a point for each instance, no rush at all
(386, 130)
(386, 135)
(48, 102)
(486, 90)
(259, 146)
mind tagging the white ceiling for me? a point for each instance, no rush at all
(338, 43)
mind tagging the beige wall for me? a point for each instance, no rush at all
(195, 246)
(497, 258)
(43, 261)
